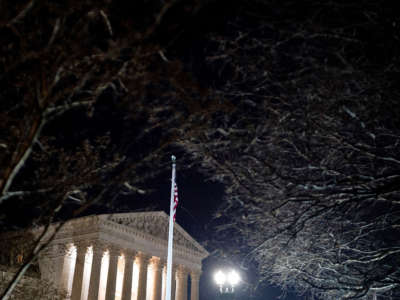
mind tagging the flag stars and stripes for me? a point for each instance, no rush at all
(175, 199)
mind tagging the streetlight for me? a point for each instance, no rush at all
(226, 281)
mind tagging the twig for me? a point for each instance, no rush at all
(109, 28)
(23, 13)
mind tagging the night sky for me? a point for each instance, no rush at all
(284, 117)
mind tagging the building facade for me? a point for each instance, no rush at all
(122, 257)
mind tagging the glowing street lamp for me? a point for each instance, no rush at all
(226, 281)
(220, 278)
(233, 278)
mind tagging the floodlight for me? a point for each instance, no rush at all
(233, 278)
(220, 278)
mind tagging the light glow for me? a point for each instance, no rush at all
(164, 283)
(86, 273)
(233, 278)
(71, 258)
(150, 282)
(120, 277)
(103, 275)
(220, 277)
(135, 279)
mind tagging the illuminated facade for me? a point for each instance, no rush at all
(122, 257)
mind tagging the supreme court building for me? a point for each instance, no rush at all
(122, 257)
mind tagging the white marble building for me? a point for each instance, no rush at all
(122, 257)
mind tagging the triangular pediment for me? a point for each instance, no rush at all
(156, 224)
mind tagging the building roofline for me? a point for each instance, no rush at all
(162, 214)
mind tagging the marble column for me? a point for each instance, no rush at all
(128, 272)
(112, 273)
(94, 283)
(66, 268)
(194, 288)
(143, 264)
(78, 272)
(157, 278)
(164, 281)
(173, 283)
(182, 277)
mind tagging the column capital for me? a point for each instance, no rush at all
(181, 271)
(129, 253)
(113, 250)
(81, 246)
(98, 245)
(69, 249)
(143, 257)
(155, 261)
(62, 249)
(195, 274)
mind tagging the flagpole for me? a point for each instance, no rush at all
(170, 232)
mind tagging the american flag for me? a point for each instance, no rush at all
(175, 199)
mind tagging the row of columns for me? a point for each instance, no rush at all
(143, 291)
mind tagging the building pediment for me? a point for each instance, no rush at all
(156, 224)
